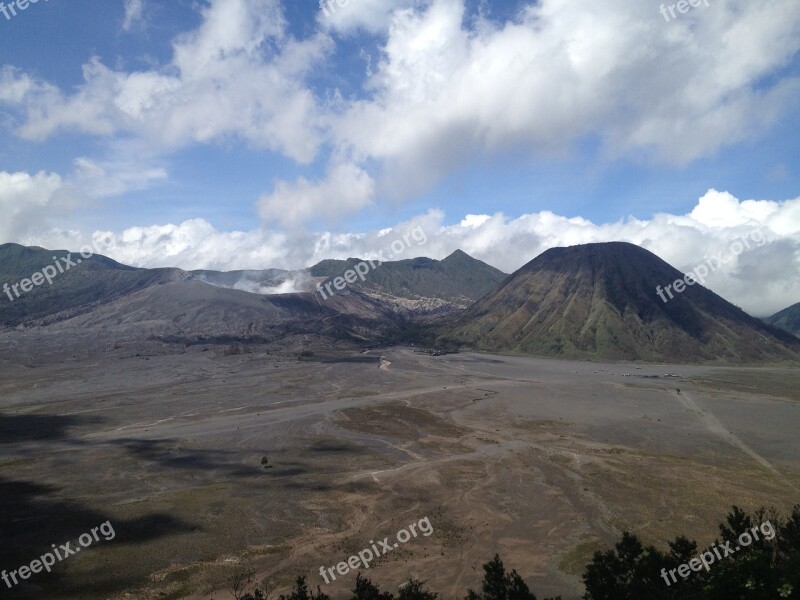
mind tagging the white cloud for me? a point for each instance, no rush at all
(90, 110)
(723, 210)
(31, 202)
(447, 93)
(114, 177)
(346, 188)
(348, 16)
(194, 244)
(15, 85)
(134, 14)
(37, 202)
(239, 75)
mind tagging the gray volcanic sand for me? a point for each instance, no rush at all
(542, 461)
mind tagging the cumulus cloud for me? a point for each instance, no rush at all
(42, 201)
(194, 244)
(16, 85)
(348, 16)
(32, 202)
(450, 90)
(237, 75)
(762, 277)
(346, 188)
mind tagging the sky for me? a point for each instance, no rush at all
(253, 134)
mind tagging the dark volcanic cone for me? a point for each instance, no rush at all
(600, 301)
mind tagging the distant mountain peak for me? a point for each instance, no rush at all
(458, 254)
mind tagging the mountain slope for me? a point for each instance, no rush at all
(99, 304)
(105, 297)
(413, 286)
(788, 319)
(454, 282)
(188, 311)
(89, 282)
(600, 301)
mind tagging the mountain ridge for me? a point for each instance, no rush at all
(455, 281)
(451, 284)
(595, 301)
(94, 281)
(787, 319)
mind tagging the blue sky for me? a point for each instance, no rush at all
(238, 133)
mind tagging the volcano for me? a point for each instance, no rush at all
(600, 301)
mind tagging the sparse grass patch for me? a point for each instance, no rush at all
(783, 383)
(574, 561)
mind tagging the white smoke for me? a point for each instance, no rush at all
(295, 282)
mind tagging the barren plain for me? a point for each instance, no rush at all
(542, 461)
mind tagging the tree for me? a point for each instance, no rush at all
(500, 585)
(631, 571)
(301, 592)
(239, 584)
(414, 590)
(768, 568)
(366, 590)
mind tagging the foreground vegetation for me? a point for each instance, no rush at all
(767, 569)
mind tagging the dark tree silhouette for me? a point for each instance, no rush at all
(366, 590)
(301, 592)
(414, 590)
(499, 585)
(768, 568)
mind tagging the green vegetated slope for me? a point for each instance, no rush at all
(599, 301)
(458, 279)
